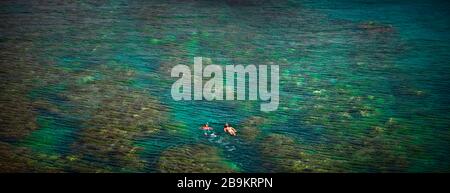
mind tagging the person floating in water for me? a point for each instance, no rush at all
(230, 130)
(206, 129)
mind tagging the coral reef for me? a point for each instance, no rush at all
(116, 114)
(250, 129)
(284, 154)
(194, 159)
(17, 117)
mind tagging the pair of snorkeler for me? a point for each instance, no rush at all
(227, 128)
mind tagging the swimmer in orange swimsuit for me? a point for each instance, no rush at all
(207, 129)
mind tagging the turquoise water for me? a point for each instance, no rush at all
(86, 86)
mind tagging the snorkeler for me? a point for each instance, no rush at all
(230, 130)
(206, 129)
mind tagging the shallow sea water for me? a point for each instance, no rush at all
(85, 87)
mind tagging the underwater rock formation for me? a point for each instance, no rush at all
(13, 160)
(17, 116)
(116, 115)
(20, 159)
(284, 154)
(19, 76)
(249, 129)
(194, 159)
(378, 154)
(24, 160)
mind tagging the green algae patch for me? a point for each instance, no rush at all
(155, 41)
(194, 159)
